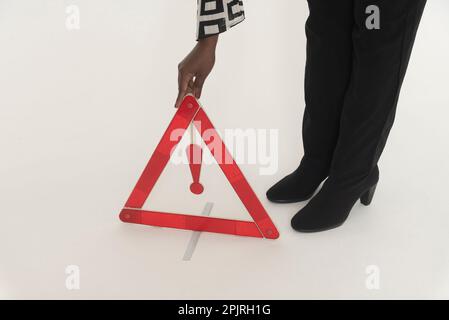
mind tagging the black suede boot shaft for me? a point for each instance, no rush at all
(327, 75)
(380, 62)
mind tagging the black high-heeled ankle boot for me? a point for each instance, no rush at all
(299, 185)
(331, 206)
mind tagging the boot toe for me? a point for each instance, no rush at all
(276, 194)
(287, 193)
(307, 224)
(320, 214)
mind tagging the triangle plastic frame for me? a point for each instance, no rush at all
(191, 111)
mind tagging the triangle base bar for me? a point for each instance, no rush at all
(188, 222)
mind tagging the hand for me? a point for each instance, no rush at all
(194, 69)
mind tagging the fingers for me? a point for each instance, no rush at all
(198, 86)
(185, 86)
(189, 85)
(183, 83)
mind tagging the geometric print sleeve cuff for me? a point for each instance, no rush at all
(217, 16)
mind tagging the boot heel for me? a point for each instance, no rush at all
(367, 197)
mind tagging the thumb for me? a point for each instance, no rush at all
(198, 86)
(183, 84)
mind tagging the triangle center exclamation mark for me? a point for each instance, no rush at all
(195, 155)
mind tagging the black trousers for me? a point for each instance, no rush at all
(354, 72)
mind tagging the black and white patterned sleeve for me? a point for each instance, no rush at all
(217, 16)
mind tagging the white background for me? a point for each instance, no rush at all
(82, 110)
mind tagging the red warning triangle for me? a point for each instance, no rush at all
(190, 111)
